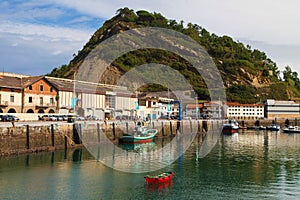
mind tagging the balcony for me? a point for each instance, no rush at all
(3, 103)
(45, 105)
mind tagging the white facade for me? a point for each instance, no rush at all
(281, 109)
(65, 98)
(245, 111)
(125, 103)
(212, 109)
(11, 98)
(91, 101)
(38, 99)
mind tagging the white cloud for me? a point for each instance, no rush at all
(272, 21)
(56, 52)
(40, 48)
(43, 32)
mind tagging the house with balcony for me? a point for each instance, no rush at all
(193, 110)
(26, 94)
(212, 110)
(39, 95)
(11, 91)
(155, 105)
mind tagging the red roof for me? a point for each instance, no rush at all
(240, 104)
(193, 106)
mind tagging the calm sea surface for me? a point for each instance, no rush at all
(246, 165)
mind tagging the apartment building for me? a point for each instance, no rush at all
(281, 109)
(39, 95)
(245, 111)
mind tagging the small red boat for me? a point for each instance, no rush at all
(161, 178)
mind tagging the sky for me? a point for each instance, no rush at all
(39, 35)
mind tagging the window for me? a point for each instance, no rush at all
(41, 100)
(30, 87)
(41, 88)
(51, 101)
(12, 98)
(110, 101)
(30, 99)
(12, 90)
(51, 89)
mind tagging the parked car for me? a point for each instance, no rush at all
(80, 118)
(164, 117)
(9, 118)
(175, 117)
(71, 119)
(65, 117)
(91, 117)
(58, 117)
(48, 118)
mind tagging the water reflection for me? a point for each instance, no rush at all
(139, 148)
(267, 157)
(248, 165)
(160, 187)
(77, 155)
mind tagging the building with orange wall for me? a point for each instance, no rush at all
(26, 94)
(39, 96)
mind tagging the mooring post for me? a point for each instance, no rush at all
(162, 129)
(126, 127)
(52, 136)
(98, 132)
(178, 126)
(171, 128)
(114, 129)
(199, 127)
(80, 133)
(27, 137)
(66, 142)
(204, 126)
(191, 126)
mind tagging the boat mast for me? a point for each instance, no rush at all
(74, 94)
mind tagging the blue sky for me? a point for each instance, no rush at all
(38, 35)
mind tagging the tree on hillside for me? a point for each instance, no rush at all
(289, 74)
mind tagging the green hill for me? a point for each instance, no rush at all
(248, 74)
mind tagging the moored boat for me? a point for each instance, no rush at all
(231, 127)
(140, 134)
(291, 129)
(273, 127)
(160, 178)
(257, 128)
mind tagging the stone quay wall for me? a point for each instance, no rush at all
(32, 139)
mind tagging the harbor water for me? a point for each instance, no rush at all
(245, 165)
